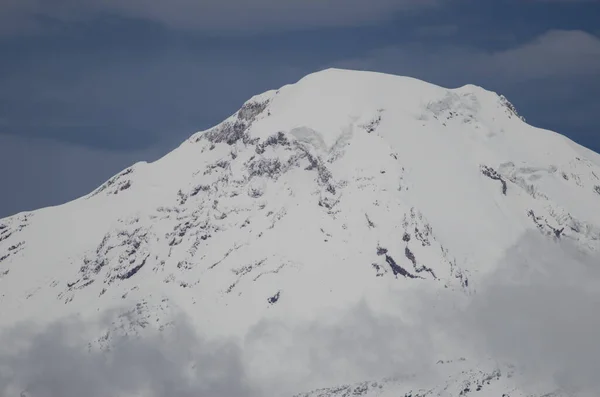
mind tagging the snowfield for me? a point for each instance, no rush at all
(335, 233)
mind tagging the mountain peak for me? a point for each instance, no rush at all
(346, 189)
(321, 100)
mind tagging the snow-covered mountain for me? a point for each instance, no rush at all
(315, 209)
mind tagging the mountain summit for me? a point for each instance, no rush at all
(324, 207)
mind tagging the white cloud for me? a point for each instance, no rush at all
(538, 311)
(54, 363)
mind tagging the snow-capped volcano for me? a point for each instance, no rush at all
(346, 189)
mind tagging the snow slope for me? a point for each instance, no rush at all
(343, 188)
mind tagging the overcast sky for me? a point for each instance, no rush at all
(88, 87)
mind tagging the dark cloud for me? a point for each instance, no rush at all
(214, 16)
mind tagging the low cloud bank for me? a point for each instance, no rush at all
(541, 311)
(538, 311)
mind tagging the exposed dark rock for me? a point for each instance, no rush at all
(510, 107)
(423, 235)
(185, 265)
(235, 248)
(227, 132)
(545, 227)
(255, 192)
(355, 390)
(323, 173)
(112, 181)
(492, 174)
(558, 232)
(278, 139)
(124, 186)
(327, 202)
(182, 197)
(411, 257)
(373, 124)
(273, 299)
(369, 222)
(198, 189)
(418, 268)
(397, 269)
(265, 167)
(379, 269)
(381, 251)
(6, 235)
(131, 272)
(16, 246)
(250, 110)
(232, 132)
(275, 271)
(231, 287)
(221, 164)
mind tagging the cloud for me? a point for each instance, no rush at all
(538, 311)
(352, 345)
(55, 363)
(554, 54)
(551, 79)
(213, 16)
(342, 347)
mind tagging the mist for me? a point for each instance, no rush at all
(537, 311)
(540, 311)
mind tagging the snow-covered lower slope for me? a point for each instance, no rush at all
(343, 189)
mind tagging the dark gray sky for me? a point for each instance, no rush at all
(87, 88)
